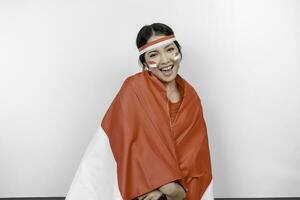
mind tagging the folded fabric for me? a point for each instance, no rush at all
(149, 149)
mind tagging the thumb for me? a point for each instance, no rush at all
(141, 197)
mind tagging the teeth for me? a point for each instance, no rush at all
(167, 68)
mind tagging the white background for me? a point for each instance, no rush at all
(62, 62)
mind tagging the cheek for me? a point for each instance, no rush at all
(155, 71)
(177, 57)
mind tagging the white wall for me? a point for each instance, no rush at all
(62, 62)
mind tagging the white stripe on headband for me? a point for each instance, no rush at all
(157, 44)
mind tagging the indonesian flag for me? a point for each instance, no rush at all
(136, 149)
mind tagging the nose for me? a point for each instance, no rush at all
(164, 59)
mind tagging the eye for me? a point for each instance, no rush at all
(152, 55)
(171, 49)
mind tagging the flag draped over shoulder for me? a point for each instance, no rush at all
(149, 150)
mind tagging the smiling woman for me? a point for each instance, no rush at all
(166, 159)
(155, 131)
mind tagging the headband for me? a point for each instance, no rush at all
(156, 43)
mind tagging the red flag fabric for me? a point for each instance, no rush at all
(149, 149)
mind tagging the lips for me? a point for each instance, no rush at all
(168, 68)
(167, 71)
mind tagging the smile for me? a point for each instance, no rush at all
(167, 68)
(167, 71)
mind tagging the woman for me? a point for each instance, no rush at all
(162, 55)
(155, 129)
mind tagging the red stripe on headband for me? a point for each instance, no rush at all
(156, 41)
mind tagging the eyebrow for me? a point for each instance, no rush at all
(168, 45)
(165, 47)
(152, 51)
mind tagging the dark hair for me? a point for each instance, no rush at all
(148, 31)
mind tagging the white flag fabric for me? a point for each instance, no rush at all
(96, 176)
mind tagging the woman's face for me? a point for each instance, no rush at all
(164, 56)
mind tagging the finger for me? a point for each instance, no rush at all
(142, 196)
(169, 198)
(149, 197)
(157, 197)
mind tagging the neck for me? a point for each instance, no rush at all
(171, 87)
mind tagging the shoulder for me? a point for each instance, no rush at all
(132, 80)
(188, 87)
(129, 83)
(192, 91)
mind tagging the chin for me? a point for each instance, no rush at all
(170, 79)
(167, 79)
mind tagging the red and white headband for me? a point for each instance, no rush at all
(156, 43)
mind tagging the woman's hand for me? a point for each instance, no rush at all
(173, 190)
(153, 195)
